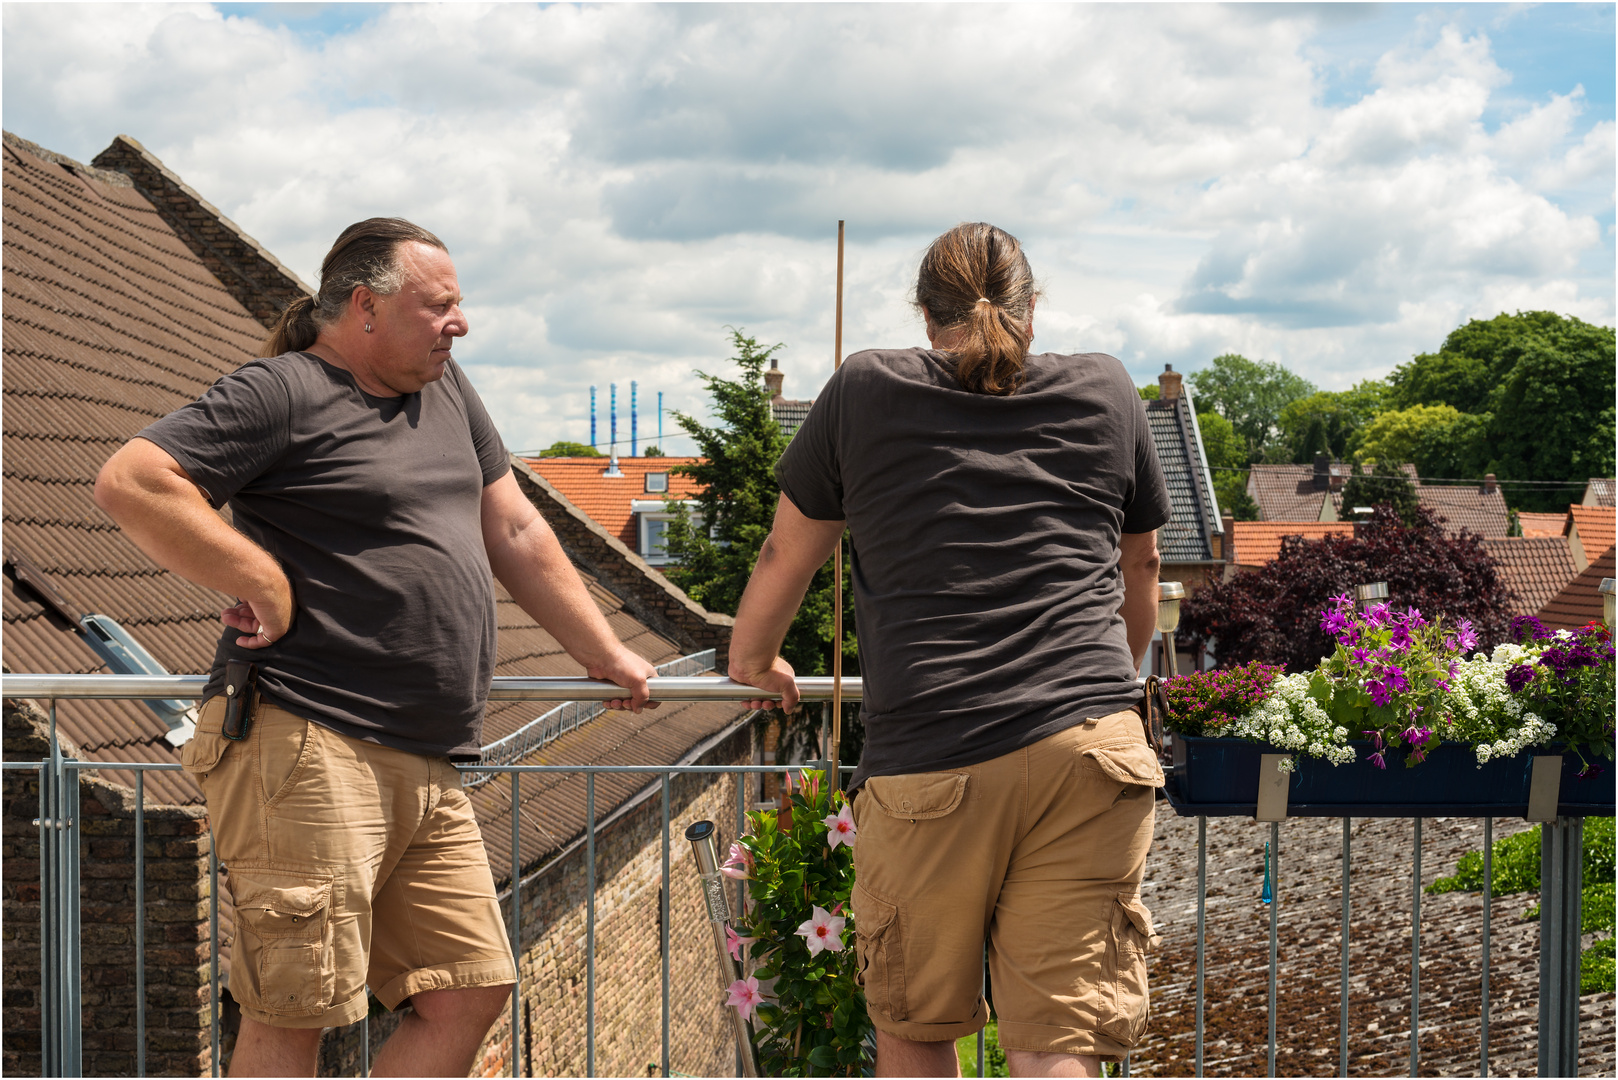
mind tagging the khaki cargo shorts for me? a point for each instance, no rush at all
(350, 864)
(1039, 852)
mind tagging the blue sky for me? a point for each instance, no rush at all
(1334, 187)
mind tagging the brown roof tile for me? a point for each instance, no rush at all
(1597, 526)
(1286, 492)
(1257, 542)
(1535, 568)
(1579, 602)
(1599, 491)
(1467, 509)
(1534, 524)
(111, 321)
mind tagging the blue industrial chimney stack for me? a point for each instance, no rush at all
(592, 417)
(634, 422)
(612, 413)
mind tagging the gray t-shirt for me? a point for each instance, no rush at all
(985, 536)
(372, 506)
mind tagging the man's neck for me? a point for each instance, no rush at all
(331, 352)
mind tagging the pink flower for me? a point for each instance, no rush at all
(735, 943)
(840, 827)
(740, 863)
(823, 931)
(745, 996)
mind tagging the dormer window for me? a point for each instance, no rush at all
(657, 483)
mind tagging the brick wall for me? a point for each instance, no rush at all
(628, 976)
(647, 594)
(257, 279)
(176, 846)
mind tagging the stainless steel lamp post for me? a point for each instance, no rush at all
(1169, 595)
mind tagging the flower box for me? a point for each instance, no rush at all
(1219, 778)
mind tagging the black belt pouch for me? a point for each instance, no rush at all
(241, 698)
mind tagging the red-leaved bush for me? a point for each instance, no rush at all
(1272, 614)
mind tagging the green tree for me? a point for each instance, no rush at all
(652, 451)
(570, 449)
(1330, 421)
(1250, 394)
(1384, 485)
(1396, 435)
(1227, 457)
(717, 547)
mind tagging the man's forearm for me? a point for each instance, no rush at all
(1140, 611)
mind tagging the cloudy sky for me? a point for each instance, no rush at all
(1332, 187)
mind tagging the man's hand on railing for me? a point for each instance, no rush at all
(777, 679)
(629, 671)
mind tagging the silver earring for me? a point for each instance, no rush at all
(367, 328)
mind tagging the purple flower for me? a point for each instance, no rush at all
(1376, 738)
(1412, 619)
(1380, 694)
(1519, 676)
(1525, 628)
(1416, 758)
(1334, 622)
(1343, 602)
(1376, 759)
(1400, 638)
(1378, 614)
(1416, 736)
(1590, 772)
(1360, 656)
(1468, 635)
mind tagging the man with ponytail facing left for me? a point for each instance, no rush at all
(370, 498)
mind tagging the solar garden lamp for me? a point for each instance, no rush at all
(1609, 594)
(1169, 595)
(1375, 592)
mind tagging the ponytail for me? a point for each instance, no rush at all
(295, 330)
(975, 281)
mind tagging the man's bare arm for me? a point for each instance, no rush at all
(796, 547)
(525, 555)
(1138, 559)
(154, 501)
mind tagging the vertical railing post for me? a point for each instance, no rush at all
(1560, 886)
(1202, 924)
(590, 928)
(75, 926)
(50, 966)
(1488, 922)
(516, 920)
(1342, 1009)
(140, 922)
(1415, 954)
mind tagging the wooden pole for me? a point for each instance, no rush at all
(836, 778)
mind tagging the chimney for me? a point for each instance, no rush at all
(1490, 484)
(1322, 471)
(1228, 525)
(774, 379)
(1339, 475)
(1168, 383)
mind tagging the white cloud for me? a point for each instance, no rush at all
(620, 183)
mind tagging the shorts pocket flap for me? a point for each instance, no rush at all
(278, 903)
(203, 751)
(1132, 763)
(1138, 915)
(872, 916)
(918, 795)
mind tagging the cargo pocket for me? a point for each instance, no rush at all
(1124, 998)
(202, 752)
(1131, 763)
(917, 796)
(284, 963)
(879, 950)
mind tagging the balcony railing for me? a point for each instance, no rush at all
(61, 1010)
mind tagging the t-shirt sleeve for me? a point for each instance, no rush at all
(232, 434)
(491, 449)
(1149, 508)
(809, 471)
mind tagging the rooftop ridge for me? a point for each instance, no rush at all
(106, 176)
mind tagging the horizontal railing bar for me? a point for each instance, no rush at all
(504, 688)
(474, 767)
(35, 765)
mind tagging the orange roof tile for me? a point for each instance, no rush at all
(1255, 543)
(1596, 525)
(1578, 603)
(1542, 524)
(1535, 568)
(606, 498)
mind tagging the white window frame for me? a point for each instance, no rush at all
(647, 511)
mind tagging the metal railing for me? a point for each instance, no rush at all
(61, 1008)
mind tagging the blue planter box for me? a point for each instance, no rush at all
(1219, 778)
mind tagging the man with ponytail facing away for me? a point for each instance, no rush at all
(1002, 510)
(370, 497)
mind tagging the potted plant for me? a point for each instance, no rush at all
(1400, 721)
(800, 991)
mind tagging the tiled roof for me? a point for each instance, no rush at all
(790, 414)
(1596, 526)
(1599, 492)
(606, 498)
(1193, 517)
(1468, 508)
(1535, 568)
(110, 322)
(1579, 602)
(1534, 524)
(1255, 543)
(1286, 492)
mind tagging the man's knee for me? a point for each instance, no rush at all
(462, 1005)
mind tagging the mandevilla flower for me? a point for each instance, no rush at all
(745, 996)
(823, 931)
(735, 943)
(740, 863)
(840, 827)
